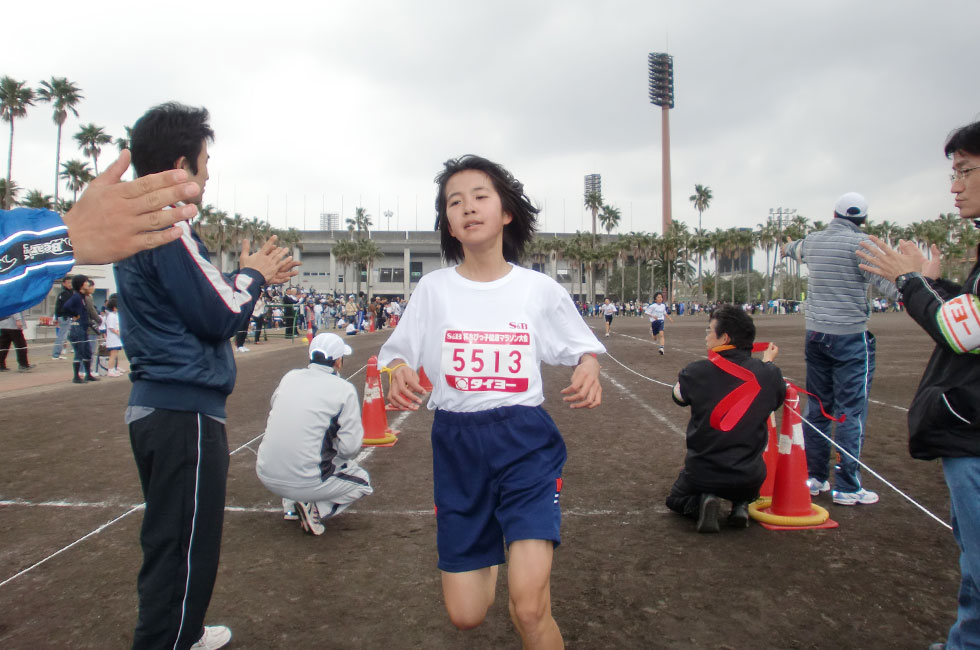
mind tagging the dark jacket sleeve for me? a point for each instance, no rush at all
(211, 304)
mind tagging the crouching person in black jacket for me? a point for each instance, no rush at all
(731, 395)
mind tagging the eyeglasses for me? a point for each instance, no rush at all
(960, 174)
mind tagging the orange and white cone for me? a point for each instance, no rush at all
(377, 433)
(770, 456)
(791, 507)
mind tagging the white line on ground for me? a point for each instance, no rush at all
(663, 419)
(362, 456)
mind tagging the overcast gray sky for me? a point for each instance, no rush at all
(323, 106)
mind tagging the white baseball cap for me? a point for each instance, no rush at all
(851, 205)
(331, 345)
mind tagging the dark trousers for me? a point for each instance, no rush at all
(20, 347)
(259, 323)
(78, 336)
(290, 324)
(240, 336)
(685, 497)
(182, 459)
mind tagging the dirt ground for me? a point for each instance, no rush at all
(629, 574)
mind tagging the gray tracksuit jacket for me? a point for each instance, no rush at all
(314, 426)
(837, 290)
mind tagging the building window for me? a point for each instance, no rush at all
(391, 275)
(415, 271)
(537, 266)
(564, 275)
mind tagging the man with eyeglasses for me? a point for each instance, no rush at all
(840, 351)
(944, 418)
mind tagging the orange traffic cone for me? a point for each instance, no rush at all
(791, 508)
(771, 456)
(370, 323)
(426, 384)
(309, 331)
(375, 421)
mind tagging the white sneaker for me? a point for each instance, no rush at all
(816, 487)
(289, 510)
(243, 349)
(862, 497)
(661, 351)
(215, 636)
(309, 518)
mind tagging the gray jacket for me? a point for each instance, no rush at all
(837, 290)
(313, 428)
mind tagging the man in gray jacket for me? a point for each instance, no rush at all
(312, 438)
(840, 351)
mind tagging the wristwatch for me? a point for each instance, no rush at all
(903, 279)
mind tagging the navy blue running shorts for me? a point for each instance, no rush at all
(656, 326)
(497, 479)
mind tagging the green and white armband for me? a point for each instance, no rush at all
(959, 321)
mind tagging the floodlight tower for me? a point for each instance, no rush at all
(662, 95)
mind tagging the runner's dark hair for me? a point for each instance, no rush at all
(513, 200)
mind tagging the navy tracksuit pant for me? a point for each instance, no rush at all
(182, 458)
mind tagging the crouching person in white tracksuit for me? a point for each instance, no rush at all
(312, 438)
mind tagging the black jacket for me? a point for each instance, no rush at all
(944, 418)
(59, 303)
(725, 459)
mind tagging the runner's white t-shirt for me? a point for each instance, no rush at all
(656, 311)
(481, 343)
(608, 310)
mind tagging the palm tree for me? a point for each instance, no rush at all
(609, 217)
(702, 201)
(91, 139)
(718, 248)
(63, 95)
(368, 252)
(15, 97)
(766, 237)
(361, 223)
(37, 199)
(344, 253)
(593, 201)
(745, 240)
(77, 173)
(8, 188)
(123, 142)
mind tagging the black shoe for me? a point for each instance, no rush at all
(77, 380)
(91, 378)
(25, 368)
(5, 369)
(708, 514)
(740, 515)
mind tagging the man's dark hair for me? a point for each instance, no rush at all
(659, 293)
(78, 281)
(167, 132)
(733, 321)
(965, 139)
(111, 304)
(513, 200)
(321, 359)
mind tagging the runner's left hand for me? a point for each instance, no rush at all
(585, 390)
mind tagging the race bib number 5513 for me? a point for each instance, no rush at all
(487, 361)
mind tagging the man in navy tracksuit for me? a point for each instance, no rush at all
(178, 312)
